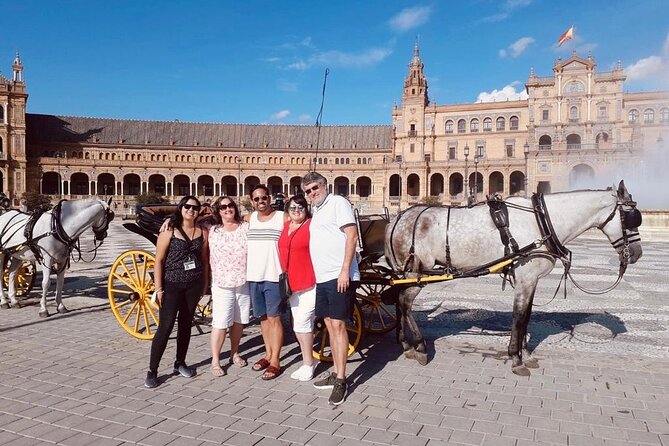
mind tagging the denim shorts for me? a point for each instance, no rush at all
(265, 298)
(333, 304)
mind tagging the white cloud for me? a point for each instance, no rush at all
(508, 7)
(652, 67)
(304, 118)
(280, 115)
(410, 18)
(517, 48)
(298, 65)
(344, 59)
(508, 93)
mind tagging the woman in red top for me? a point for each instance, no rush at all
(295, 258)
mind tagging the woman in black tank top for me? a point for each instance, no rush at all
(181, 277)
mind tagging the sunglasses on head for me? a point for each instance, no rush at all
(263, 198)
(195, 207)
(312, 189)
(223, 206)
(297, 208)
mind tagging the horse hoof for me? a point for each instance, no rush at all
(521, 370)
(5, 306)
(410, 354)
(421, 358)
(531, 363)
(63, 310)
(44, 313)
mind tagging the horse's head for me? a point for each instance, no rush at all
(101, 224)
(622, 226)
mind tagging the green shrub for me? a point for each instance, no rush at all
(150, 198)
(35, 201)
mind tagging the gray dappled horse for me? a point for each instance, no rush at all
(474, 241)
(53, 237)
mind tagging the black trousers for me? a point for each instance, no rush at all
(179, 302)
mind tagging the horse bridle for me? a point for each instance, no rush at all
(630, 220)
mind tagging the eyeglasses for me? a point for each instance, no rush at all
(296, 208)
(263, 198)
(194, 207)
(224, 206)
(313, 189)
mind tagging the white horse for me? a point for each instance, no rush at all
(417, 241)
(53, 237)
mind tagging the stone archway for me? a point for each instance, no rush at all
(413, 185)
(229, 186)
(436, 185)
(341, 186)
(581, 176)
(394, 186)
(157, 184)
(455, 184)
(363, 186)
(496, 183)
(106, 184)
(131, 184)
(79, 184)
(181, 185)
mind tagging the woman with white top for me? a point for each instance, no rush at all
(229, 289)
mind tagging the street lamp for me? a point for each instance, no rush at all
(467, 193)
(58, 155)
(239, 177)
(526, 151)
(476, 177)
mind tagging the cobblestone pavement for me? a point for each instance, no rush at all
(77, 378)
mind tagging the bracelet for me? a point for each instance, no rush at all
(160, 290)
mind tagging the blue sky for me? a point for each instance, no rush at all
(255, 61)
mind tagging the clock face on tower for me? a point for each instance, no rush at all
(574, 87)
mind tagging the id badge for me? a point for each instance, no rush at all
(189, 265)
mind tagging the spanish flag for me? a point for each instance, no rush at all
(566, 36)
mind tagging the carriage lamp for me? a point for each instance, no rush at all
(466, 152)
(526, 151)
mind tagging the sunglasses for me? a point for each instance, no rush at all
(296, 208)
(224, 206)
(194, 207)
(263, 198)
(313, 189)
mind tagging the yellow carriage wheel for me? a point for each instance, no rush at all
(130, 287)
(24, 279)
(380, 318)
(354, 326)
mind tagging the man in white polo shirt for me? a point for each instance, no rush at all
(332, 244)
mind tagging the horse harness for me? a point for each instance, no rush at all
(630, 221)
(57, 231)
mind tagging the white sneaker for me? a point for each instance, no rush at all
(305, 372)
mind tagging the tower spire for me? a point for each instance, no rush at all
(17, 68)
(415, 84)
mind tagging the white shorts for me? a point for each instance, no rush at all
(303, 309)
(230, 305)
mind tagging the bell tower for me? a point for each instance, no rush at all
(415, 84)
(13, 98)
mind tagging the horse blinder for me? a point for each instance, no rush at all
(631, 219)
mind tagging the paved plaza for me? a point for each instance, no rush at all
(77, 378)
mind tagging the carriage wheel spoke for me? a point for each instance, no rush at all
(128, 292)
(120, 305)
(137, 318)
(130, 276)
(153, 315)
(132, 309)
(146, 319)
(122, 279)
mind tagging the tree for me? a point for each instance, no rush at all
(431, 200)
(150, 198)
(36, 201)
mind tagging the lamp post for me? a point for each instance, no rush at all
(476, 177)
(239, 177)
(466, 172)
(526, 152)
(58, 155)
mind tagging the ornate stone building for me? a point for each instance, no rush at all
(575, 124)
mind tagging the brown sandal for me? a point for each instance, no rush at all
(262, 364)
(271, 373)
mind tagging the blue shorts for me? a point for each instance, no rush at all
(333, 304)
(265, 298)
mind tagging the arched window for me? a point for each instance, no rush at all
(648, 116)
(474, 125)
(573, 113)
(2, 114)
(501, 124)
(664, 114)
(449, 126)
(1, 146)
(633, 115)
(462, 126)
(487, 125)
(513, 123)
(336, 160)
